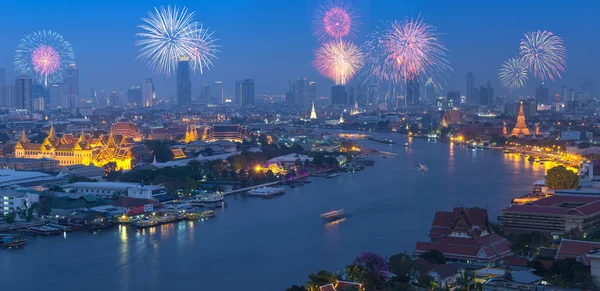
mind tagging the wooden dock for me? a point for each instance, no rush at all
(17, 226)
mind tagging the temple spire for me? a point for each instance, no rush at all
(24, 137)
(313, 113)
(520, 128)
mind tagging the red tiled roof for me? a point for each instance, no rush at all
(576, 249)
(547, 252)
(587, 209)
(467, 248)
(556, 200)
(535, 209)
(515, 261)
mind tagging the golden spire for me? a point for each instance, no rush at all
(313, 113)
(81, 137)
(520, 128)
(51, 133)
(23, 137)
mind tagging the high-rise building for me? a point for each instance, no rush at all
(23, 97)
(483, 96)
(541, 95)
(351, 95)
(490, 91)
(430, 90)
(470, 86)
(184, 85)
(148, 93)
(38, 104)
(219, 93)
(134, 96)
(587, 89)
(205, 94)
(114, 99)
(244, 92)
(453, 97)
(8, 96)
(412, 92)
(301, 92)
(55, 94)
(564, 93)
(312, 92)
(71, 86)
(290, 94)
(2, 77)
(339, 96)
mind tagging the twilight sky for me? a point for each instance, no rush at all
(271, 41)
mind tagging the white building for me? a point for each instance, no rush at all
(11, 199)
(11, 179)
(110, 189)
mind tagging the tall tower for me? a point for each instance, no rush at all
(412, 92)
(339, 96)
(206, 94)
(184, 85)
(302, 91)
(71, 86)
(135, 95)
(470, 86)
(312, 92)
(148, 93)
(219, 93)
(520, 129)
(23, 87)
(313, 112)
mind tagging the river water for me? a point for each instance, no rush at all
(257, 244)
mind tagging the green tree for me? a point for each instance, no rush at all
(9, 217)
(319, 279)
(568, 273)
(370, 269)
(561, 178)
(296, 288)
(433, 257)
(403, 266)
(56, 188)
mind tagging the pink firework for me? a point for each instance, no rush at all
(339, 61)
(45, 59)
(335, 21)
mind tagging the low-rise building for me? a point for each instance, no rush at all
(445, 275)
(10, 200)
(577, 250)
(112, 189)
(26, 164)
(11, 179)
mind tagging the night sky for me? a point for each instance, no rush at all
(272, 41)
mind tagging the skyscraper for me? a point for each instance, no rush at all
(312, 92)
(587, 89)
(23, 96)
(184, 85)
(301, 92)
(412, 92)
(430, 90)
(541, 95)
(490, 91)
(2, 76)
(483, 96)
(205, 94)
(71, 86)
(470, 86)
(134, 96)
(244, 92)
(564, 93)
(55, 94)
(339, 95)
(148, 93)
(37, 91)
(115, 99)
(219, 93)
(8, 96)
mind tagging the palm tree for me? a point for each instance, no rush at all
(464, 280)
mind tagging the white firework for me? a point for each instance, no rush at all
(171, 33)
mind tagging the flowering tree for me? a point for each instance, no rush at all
(370, 269)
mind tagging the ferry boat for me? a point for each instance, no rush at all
(210, 201)
(423, 168)
(43, 230)
(333, 215)
(61, 227)
(201, 215)
(333, 175)
(266, 192)
(8, 241)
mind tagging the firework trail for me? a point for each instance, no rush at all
(338, 60)
(335, 21)
(170, 33)
(46, 54)
(513, 74)
(404, 51)
(544, 54)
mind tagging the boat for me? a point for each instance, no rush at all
(423, 168)
(201, 215)
(8, 241)
(61, 227)
(43, 230)
(211, 201)
(332, 175)
(144, 223)
(266, 192)
(333, 215)
(531, 159)
(405, 144)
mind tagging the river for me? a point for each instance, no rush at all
(257, 244)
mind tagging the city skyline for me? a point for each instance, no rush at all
(471, 48)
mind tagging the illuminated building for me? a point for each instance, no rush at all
(191, 133)
(234, 133)
(451, 117)
(313, 113)
(127, 129)
(520, 128)
(84, 150)
(355, 110)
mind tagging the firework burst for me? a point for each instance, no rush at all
(339, 61)
(170, 33)
(46, 54)
(513, 74)
(405, 51)
(544, 54)
(335, 21)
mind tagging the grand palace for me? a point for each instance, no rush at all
(85, 149)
